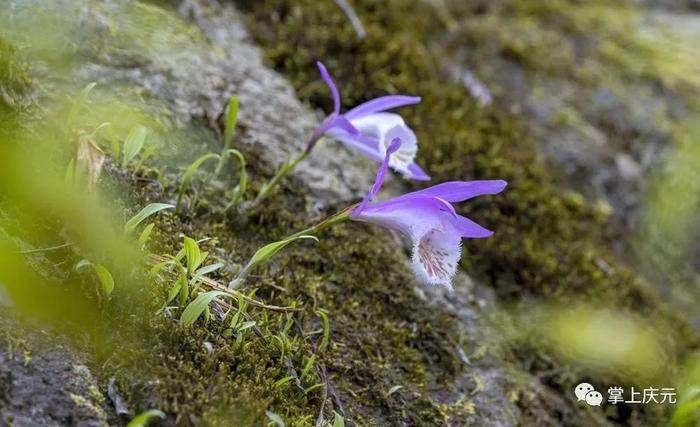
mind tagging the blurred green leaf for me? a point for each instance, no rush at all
(338, 421)
(144, 418)
(105, 277)
(143, 214)
(78, 105)
(275, 418)
(145, 235)
(133, 144)
(231, 120)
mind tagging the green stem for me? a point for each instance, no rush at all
(284, 171)
(336, 218)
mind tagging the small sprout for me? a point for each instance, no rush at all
(246, 325)
(197, 307)
(231, 120)
(193, 255)
(276, 419)
(339, 421)
(393, 390)
(283, 381)
(326, 329)
(188, 176)
(314, 387)
(177, 287)
(144, 418)
(143, 214)
(133, 144)
(145, 235)
(105, 277)
(240, 189)
(307, 368)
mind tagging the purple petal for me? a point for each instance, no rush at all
(381, 174)
(342, 123)
(409, 216)
(469, 229)
(459, 191)
(417, 173)
(366, 146)
(380, 104)
(334, 89)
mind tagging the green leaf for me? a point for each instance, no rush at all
(308, 366)
(283, 381)
(145, 234)
(197, 307)
(246, 325)
(204, 271)
(326, 329)
(231, 120)
(242, 185)
(143, 214)
(133, 144)
(105, 277)
(193, 255)
(142, 419)
(189, 174)
(268, 251)
(275, 418)
(175, 289)
(338, 421)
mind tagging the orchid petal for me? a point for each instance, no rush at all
(435, 256)
(380, 104)
(469, 229)
(331, 85)
(409, 216)
(366, 146)
(342, 123)
(381, 175)
(416, 173)
(459, 191)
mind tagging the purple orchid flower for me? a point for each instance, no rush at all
(429, 220)
(369, 129)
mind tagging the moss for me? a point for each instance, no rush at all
(549, 244)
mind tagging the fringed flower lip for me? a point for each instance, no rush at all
(428, 218)
(369, 128)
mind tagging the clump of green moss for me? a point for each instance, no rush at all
(549, 244)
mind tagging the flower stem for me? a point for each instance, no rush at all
(284, 171)
(306, 233)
